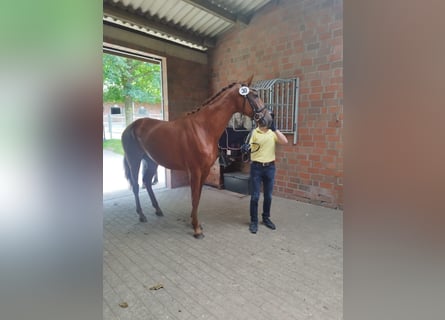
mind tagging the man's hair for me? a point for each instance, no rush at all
(262, 122)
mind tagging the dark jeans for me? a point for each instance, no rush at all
(258, 175)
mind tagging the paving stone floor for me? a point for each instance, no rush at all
(294, 272)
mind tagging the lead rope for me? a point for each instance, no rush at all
(246, 149)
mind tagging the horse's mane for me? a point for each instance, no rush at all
(211, 99)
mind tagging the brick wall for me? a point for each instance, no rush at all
(302, 39)
(188, 88)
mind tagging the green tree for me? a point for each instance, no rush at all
(129, 80)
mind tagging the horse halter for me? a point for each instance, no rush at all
(258, 113)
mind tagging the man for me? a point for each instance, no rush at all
(262, 170)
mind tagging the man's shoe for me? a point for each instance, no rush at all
(269, 223)
(253, 227)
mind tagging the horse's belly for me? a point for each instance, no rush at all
(167, 159)
(183, 160)
(178, 151)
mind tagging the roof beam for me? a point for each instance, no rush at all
(128, 39)
(218, 11)
(144, 21)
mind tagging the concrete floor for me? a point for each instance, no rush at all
(294, 272)
(114, 174)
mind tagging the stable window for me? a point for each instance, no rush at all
(115, 110)
(281, 97)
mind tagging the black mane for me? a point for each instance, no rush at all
(209, 100)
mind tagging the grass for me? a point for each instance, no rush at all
(114, 145)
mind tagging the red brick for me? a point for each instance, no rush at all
(315, 96)
(307, 143)
(326, 185)
(329, 95)
(304, 175)
(331, 131)
(324, 36)
(306, 62)
(328, 159)
(304, 90)
(333, 88)
(317, 89)
(327, 172)
(317, 28)
(318, 151)
(306, 137)
(338, 80)
(338, 33)
(322, 145)
(317, 164)
(314, 157)
(304, 163)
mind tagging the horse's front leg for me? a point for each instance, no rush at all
(196, 183)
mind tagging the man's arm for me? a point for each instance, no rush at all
(281, 138)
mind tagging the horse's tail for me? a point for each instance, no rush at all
(127, 170)
(132, 152)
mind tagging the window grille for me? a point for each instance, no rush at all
(281, 97)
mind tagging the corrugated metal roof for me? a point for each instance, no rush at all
(191, 23)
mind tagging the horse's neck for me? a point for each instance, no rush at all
(217, 115)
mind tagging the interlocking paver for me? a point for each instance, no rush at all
(294, 272)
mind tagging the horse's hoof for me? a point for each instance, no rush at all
(199, 235)
(159, 213)
(142, 218)
(200, 226)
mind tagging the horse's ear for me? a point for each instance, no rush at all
(249, 81)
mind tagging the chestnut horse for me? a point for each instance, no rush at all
(189, 143)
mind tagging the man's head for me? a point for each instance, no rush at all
(265, 122)
(262, 123)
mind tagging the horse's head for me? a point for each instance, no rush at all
(257, 110)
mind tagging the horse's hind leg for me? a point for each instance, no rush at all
(149, 170)
(132, 164)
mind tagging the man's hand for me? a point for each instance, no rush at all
(272, 124)
(245, 148)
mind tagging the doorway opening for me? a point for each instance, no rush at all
(132, 89)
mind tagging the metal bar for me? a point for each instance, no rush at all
(281, 98)
(270, 103)
(287, 106)
(296, 94)
(276, 109)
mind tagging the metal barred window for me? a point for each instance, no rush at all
(281, 97)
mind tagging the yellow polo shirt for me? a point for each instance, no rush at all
(266, 142)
